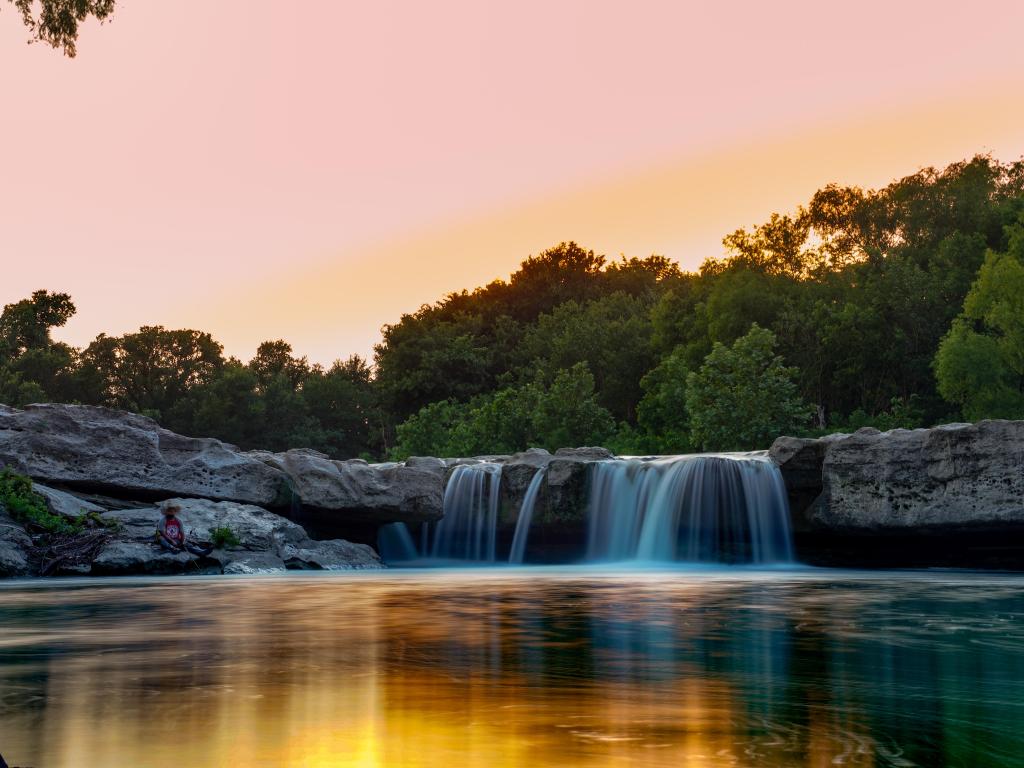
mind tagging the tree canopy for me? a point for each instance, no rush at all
(899, 306)
(980, 363)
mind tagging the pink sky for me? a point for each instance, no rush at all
(268, 170)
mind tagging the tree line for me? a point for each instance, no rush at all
(901, 306)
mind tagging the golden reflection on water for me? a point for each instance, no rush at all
(511, 669)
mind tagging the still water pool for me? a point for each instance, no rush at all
(518, 667)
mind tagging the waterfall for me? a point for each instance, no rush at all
(395, 544)
(715, 508)
(468, 530)
(525, 518)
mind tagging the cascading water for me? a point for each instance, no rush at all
(468, 530)
(525, 519)
(395, 544)
(716, 508)
(724, 508)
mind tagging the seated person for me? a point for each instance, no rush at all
(171, 533)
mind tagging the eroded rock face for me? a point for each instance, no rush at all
(361, 492)
(517, 473)
(267, 543)
(949, 476)
(567, 483)
(100, 448)
(15, 547)
(801, 459)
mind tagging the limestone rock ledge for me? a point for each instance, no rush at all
(267, 543)
(951, 476)
(94, 448)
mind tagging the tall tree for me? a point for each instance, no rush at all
(980, 363)
(743, 396)
(151, 370)
(25, 325)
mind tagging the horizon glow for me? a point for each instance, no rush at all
(260, 174)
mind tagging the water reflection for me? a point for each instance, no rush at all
(520, 668)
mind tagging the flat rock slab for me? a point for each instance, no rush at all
(104, 449)
(362, 492)
(957, 475)
(65, 504)
(267, 543)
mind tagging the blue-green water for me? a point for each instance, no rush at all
(527, 667)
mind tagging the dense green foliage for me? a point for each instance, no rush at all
(980, 365)
(28, 507)
(743, 395)
(892, 307)
(566, 412)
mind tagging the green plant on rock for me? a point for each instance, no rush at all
(95, 520)
(28, 507)
(223, 537)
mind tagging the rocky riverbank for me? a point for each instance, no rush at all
(106, 472)
(952, 495)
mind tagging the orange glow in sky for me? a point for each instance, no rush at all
(262, 170)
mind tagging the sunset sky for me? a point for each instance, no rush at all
(310, 171)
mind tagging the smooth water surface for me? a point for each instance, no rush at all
(524, 667)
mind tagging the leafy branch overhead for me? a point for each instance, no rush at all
(56, 22)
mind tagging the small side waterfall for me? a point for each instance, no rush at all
(395, 544)
(525, 519)
(468, 530)
(728, 508)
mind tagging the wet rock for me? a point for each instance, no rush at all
(129, 455)
(800, 460)
(566, 486)
(517, 473)
(15, 547)
(251, 563)
(330, 555)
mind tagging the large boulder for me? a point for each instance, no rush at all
(267, 543)
(329, 555)
(354, 491)
(953, 476)
(125, 454)
(256, 528)
(123, 558)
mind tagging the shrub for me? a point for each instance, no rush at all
(222, 537)
(28, 507)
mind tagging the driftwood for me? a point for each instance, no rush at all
(67, 550)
